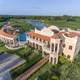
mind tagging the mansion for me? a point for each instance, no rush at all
(54, 42)
(50, 40)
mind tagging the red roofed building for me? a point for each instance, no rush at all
(47, 41)
(53, 42)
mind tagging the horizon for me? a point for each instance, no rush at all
(40, 7)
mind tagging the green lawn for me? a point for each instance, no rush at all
(2, 47)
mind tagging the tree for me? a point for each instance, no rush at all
(54, 78)
(70, 71)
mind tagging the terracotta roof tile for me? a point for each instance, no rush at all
(71, 34)
(39, 35)
(6, 34)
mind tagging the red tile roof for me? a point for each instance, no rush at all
(72, 34)
(56, 36)
(6, 34)
(43, 37)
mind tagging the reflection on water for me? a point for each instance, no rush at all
(36, 23)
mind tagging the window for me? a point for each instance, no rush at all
(68, 56)
(36, 38)
(56, 46)
(54, 60)
(70, 47)
(51, 59)
(33, 37)
(61, 41)
(52, 47)
(64, 45)
(40, 39)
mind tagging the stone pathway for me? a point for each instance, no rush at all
(34, 68)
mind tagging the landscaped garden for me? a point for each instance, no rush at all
(2, 47)
(43, 73)
(31, 56)
(28, 53)
(64, 70)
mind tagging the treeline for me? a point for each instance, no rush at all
(64, 17)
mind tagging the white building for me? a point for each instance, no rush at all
(54, 42)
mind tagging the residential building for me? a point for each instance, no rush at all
(54, 42)
(11, 37)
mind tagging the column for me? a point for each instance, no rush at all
(50, 47)
(42, 48)
(13, 43)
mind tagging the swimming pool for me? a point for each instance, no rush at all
(22, 37)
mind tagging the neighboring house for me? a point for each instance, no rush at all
(55, 42)
(11, 38)
(7, 38)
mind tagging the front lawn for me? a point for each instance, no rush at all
(2, 47)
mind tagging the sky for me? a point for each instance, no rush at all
(40, 7)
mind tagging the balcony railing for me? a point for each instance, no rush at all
(46, 49)
(35, 41)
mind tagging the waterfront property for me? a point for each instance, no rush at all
(54, 42)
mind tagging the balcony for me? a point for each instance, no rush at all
(36, 42)
(46, 49)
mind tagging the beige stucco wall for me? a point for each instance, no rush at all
(45, 31)
(70, 42)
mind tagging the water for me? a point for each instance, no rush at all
(21, 37)
(36, 23)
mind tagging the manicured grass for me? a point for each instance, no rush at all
(2, 47)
